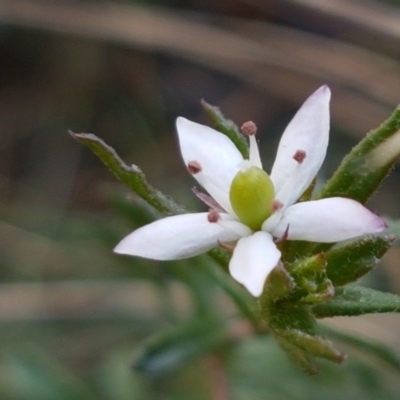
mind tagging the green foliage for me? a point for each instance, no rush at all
(348, 263)
(295, 329)
(131, 176)
(260, 370)
(74, 316)
(365, 167)
(306, 286)
(355, 300)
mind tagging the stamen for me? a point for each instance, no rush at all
(226, 246)
(283, 237)
(299, 156)
(276, 205)
(249, 128)
(194, 167)
(207, 200)
(213, 216)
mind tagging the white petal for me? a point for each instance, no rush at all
(218, 157)
(254, 152)
(328, 220)
(307, 131)
(180, 236)
(253, 259)
(272, 222)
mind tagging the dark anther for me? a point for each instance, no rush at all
(299, 156)
(249, 128)
(213, 215)
(194, 167)
(276, 205)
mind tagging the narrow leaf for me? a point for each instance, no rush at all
(364, 168)
(357, 300)
(348, 263)
(227, 127)
(314, 345)
(175, 347)
(131, 176)
(135, 179)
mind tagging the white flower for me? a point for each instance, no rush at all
(219, 167)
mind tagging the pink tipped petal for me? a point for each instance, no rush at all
(308, 131)
(253, 259)
(328, 221)
(181, 236)
(217, 155)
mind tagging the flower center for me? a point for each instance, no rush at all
(252, 195)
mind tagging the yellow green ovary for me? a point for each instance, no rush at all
(252, 194)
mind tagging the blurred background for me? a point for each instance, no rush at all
(73, 316)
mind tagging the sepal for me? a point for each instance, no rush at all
(313, 285)
(279, 284)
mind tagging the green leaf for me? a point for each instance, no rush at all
(227, 127)
(178, 345)
(364, 168)
(347, 263)
(259, 370)
(314, 345)
(135, 179)
(131, 176)
(282, 317)
(295, 329)
(357, 300)
(309, 266)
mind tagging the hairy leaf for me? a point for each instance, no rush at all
(131, 176)
(365, 167)
(348, 263)
(357, 300)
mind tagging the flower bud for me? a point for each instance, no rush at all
(252, 194)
